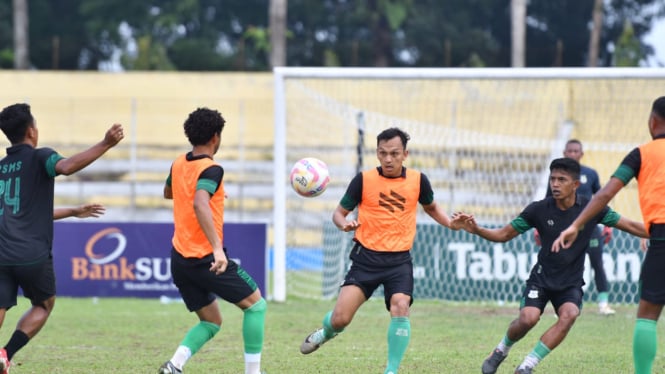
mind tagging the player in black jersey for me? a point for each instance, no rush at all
(557, 277)
(27, 176)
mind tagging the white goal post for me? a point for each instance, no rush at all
(484, 137)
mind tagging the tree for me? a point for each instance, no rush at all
(518, 28)
(628, 48)
(277, 16)
(597, 25)
(21, 35)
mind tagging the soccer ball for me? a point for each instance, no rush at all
(309, 177)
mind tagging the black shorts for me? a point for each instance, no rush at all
(198, 285)
(395, 279)
(538, 297)
(37, 282)
(652, 276)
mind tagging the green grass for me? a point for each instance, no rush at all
(136, 336)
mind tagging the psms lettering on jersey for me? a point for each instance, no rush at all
(503, 265)
(102, 262)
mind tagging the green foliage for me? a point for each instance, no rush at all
(628, 48)
(6, 58)
(229, 35)
(136, 336)
(150, 56)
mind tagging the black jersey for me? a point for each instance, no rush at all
(26, 204)
(563, 269)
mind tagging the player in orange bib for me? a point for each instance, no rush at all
(387, 199)
(199, 264)
(645, 164)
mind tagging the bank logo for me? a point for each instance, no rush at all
(109, 233)
(392, 202)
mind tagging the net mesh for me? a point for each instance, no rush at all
(484, 144)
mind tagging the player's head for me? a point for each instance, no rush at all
(203, 125)
(16, 121)
(573, 150)
(391, 150)
(564, 177)
(657, 117)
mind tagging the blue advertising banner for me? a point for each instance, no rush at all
(133, 259)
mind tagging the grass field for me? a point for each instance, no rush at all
(136, 336)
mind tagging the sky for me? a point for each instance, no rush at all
(657, 39)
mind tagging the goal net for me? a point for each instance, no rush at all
(484, 137)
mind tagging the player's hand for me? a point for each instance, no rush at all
(221, 262)
(536, 238)
(607, 234)
(565, 239)
(457, 220)
(89, 210)
(350, 226)
(644, 244)
(467, 221)
(114, 135)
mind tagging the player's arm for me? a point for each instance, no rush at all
(597, 203)
(71, 165)
(204, 217)
(426, 199)
(347, 204)
(500, 235)
(339, 219)
(207, 185)
(438, 215)
(83, 211)
(632, 227)
(168, 191)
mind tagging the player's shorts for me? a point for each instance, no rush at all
(652, 278)
(395, 279)
(538, 297)
(198, 285)
(37, 282)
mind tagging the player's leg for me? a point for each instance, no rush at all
(357, 288)
(38, 284)
(349, 300)
(8, 295)
(398, 291)
(197, 299)
(595, 251)
(239, 284)
(567, 304)
(652, 299)
(532, 305)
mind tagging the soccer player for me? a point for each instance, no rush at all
(645, 164)
(589, 185)
(556, 277)
(387, 199)
(199, 265)
(27, 177)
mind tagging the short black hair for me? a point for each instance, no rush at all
(14, 122)
(574, 141)
(392, 132)
(567, 165)
(202, 124)
(658, 107)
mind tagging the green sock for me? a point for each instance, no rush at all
(198, 335)
(253, 323)
(399, 335)
(540, 350)
(603, 297)
(328, 330)
(644, 345)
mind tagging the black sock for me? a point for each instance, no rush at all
(17, 341)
